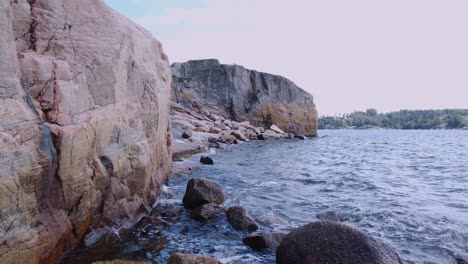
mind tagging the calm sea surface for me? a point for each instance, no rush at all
(410, 188)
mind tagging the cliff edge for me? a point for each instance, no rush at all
(241, 94)
(85, 140)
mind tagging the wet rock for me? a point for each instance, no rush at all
(332, 242)
(177, 258)
(206, 160)
(462, 258)
(301, 137)
(172, 213)
(206, 212)
(201, 191)
(187, 134)
(261, 137)
(240, 219)
(264, 242)
(276, 129)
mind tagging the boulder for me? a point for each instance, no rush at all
(261, 137)
(205, 112)
(276, 129)
(227, 123)
(215, 130)
(332, 242)
(201, 191)
(239, 135)
(229, 139)
(187, 134)
(240, 219)
(462, 258)
(206, 160)
(245, 123)
(177, 258)
(206, 212)
(221, 126)
(198, 123)
(301, 137)
(204, 129)
(268, 241)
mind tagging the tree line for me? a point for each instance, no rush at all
(403, 119)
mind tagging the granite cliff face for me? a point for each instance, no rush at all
(84, 125)
(241, 94)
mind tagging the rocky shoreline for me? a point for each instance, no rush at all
(195, 131)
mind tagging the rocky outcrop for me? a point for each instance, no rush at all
(240, 219)
(240, 94)
(332, 242)
(202, 191)
(84, 124)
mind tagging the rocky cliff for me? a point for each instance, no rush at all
(84, 125)
(241, 94)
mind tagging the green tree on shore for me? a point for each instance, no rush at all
(404, 119)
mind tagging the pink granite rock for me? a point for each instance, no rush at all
(84, 124)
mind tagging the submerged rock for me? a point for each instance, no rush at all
(177, 258)
(272, 220)
(330, 216)
(268, 241)
(240, 219)
(206, 160)
(331, 242)
(201, 191)
(206, 212)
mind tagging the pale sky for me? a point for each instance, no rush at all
(351, 55)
